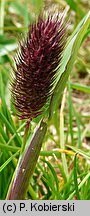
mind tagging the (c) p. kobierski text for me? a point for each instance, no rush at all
(51, 207)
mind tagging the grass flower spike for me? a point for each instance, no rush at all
(36, 65)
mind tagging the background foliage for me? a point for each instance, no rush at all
(63, 168)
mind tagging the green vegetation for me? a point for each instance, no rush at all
(63, 168)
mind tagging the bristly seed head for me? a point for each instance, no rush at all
(36, 65)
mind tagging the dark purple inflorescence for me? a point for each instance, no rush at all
(36, 65)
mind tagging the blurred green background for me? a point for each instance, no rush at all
(59, 174)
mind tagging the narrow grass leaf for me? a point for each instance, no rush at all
(10, 128)
(53, 173)
(75, 178)
(2, 139)
(62, 172)
(3, 133)
(8, 147)
(68, 59)
(79, 143)
(80, 87)
(2, 94)
(62, 141)
(15, 134)
(70, 113)
(79, 151)
(8, 161)
(46, 177)
(80, 186)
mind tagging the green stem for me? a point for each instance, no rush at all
(26, 165)
(32, 193)
(25, 137)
